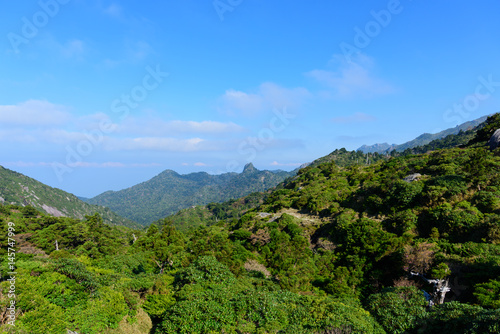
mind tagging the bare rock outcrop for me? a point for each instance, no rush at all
(412, 177)
(53, 211)
(494, 141)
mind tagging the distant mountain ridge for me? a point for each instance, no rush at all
(377, 148)
(169, 192)
(19, 189)
(421, 140)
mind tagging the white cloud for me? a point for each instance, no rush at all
(158, 127)
(73, 49)
(280, 97)
(97, 164)
(268, 96)
(113, 10)
(50, 135)
(358, 117)
(204, 127)
(45, 124)
(139, 50)
(33, 113)
(23, 164)
(81, 164)
(352, 78)
(133, 52)
(94, 122)
(17, 135)
(292, 164)
(60, 136)
(154, 144)
(110, 164)
(196, 164)
(239, 102)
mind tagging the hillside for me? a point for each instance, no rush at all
(233, 209)
(169, 192)
(407, 244)
(18, 189)
(345, 158)
(421, 140)
(210, 214)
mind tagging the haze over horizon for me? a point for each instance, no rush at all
(100, 95)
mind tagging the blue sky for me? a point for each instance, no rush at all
(100, 95)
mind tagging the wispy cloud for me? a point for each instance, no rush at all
(18, 135)
(266, 97)
(132, 52)
(196, 164)
(113, 10)
(154, 144)
(48, 124)
(159, 127)
(358, 117)
(24, 164)
(112, 164)
(291, 164)
(73, 49)
(352, 79)
(60, 136)
(93, 121)
(240, 102)
(34, 113)
(41, 136)
(139, 50)
(83, 164)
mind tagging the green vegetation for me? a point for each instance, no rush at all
(336, 249)
(212, 213)
(21, 190)
(344, 158)
(169, 192)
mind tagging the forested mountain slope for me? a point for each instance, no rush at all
(408, 244)
(170, 192)
(211, 213)
(19, 189)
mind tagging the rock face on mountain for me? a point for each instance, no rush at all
(412, 177)
(494, 141)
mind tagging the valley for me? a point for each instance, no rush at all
(344, 246)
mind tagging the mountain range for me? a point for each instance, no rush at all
(169, 192)
(409, 243)
(422, 139)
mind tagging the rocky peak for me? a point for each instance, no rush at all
(249, 168)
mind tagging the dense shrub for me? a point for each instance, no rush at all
(398, 309)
